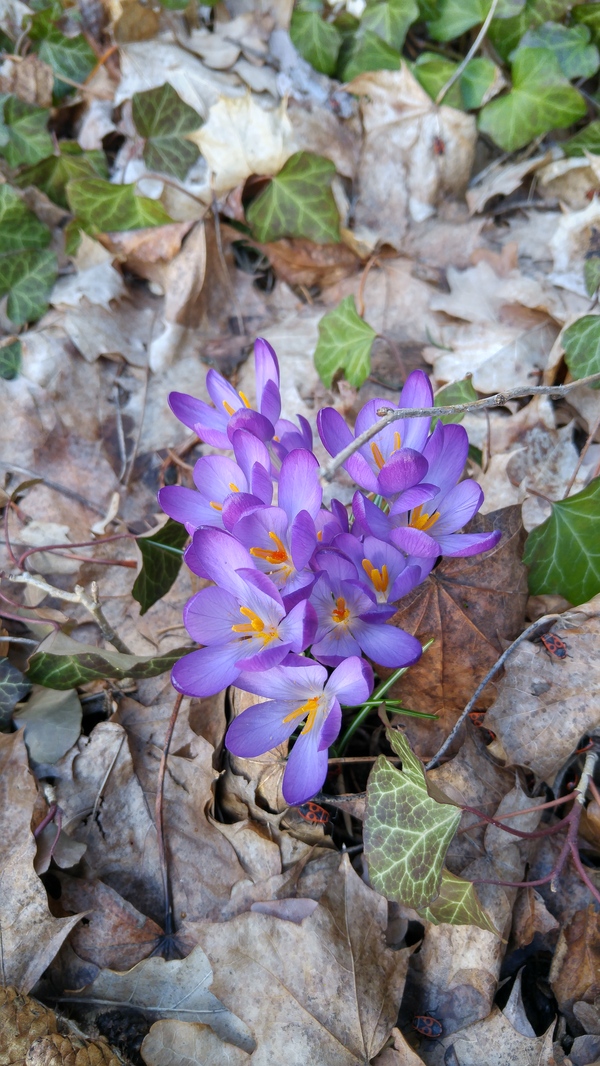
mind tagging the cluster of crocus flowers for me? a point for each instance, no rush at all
(302, 594)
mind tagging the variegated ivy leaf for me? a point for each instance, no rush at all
(457, 904)
(406, 830)
(297, 202)
(345, 342)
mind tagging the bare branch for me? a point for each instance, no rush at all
(500, 399)
(472, 50)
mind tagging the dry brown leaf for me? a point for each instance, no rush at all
(530, 916)
(543, 707)
(493, 1041)
(575, 971)
(174, 1043)
(501, 180)
(301, 262)
(29, 78)
(469, 606)
(331, 986)
(399, 1054)
(114, 934)
(31, 937)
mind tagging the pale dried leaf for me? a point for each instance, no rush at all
(176, 1043)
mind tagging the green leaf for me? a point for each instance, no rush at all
(505, 33)
(457, 392)
(52, 722)
(10, 360)
(28, 278)
(587, 140)
(25, 136)
(61, 662)
(161, 563)
(588, 15)
(581, 343)
(161, 116)
(406, 831)
(297, 202)
(457, 904)
(563, 554)
(367, 52)
(104, 207)
(577, 58)
(19, 228)
(433, 71)
(475, 82)
(71, 56)
(345, 342)
(317, 41)
(591, 274)
(13, 686)
(541, 99)
(457, 16)
(180, 5)
(52, 174)
(390, 20)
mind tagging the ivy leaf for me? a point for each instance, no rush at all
(563, 554)
(28, 278)
(476, 82)
(541, 99)
(345, 342)
(588, 15)
(52, 722)
(505, 33)
(52, 174)
(457, 392)
(13, 686)
(457, 16)
(587, 140)
(317, 41)
(581, 343)
(297, 202)
(457, 904)
(103, 207)
(577, 58)
(71, 56)
(406, 831)
(61, 662)
(367, 51)
(10, 360)
(390, 20)
(19, 227)
(433, 71)
(591, 275)
(25, 136)
(162, 117)
(161, 563)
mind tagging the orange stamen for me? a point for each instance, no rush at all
(397, 442)
(216, 506)
(255, 625)
(233, 487)
(228, 407)
(378, 457)
(244, 399)
(380, 578)
(422, 520)
(279, 555)
(310, 707)
(340, 612)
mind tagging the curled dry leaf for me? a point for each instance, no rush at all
(332, 986)
(301, 262)
(115, 935)
(576, 964)
(469, 606)
(173, 1043)
(495, 1042)
(31, 937)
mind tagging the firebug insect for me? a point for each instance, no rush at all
(427, 1026)
(477, 718)
(311, 812)
(556, 648)
(439, 147)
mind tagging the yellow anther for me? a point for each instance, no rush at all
(422, 520)
(340, 612)
(254, 625)
(228, 407)
(378, 457)
(233, 487)
(310, 707)
(244, 399)
(380, 578)
(397, 442)
(277, 555)
(216, 506)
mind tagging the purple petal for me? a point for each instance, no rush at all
(299, 488)
(414, 497)
(405, 583)
(188, 507)
(306, 769)
(260, 728)
(370, 519)
(333, 431)
(238, 506)
(220, 555)
(270, 401)
(266, 369)
(388, 646)
(188, 409)
(299, 626)
(417, 392)
(458, 507)
(216, 476)
(450, 463)
(207, 671)
(251, 421)
(351, 681)
(415, 542)
(210, 614)
(331, 726)
(335, 646)
(265, 658)
(222, 392)
(303, 539)
(261, 484)
(461, 544)
(403, 470)
(249, 450)
(296, 683)
(359, 469)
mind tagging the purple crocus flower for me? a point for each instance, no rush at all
(350, 620)
(298, 692)
(282, 539)
(232, 410)
(394, 449)
(216, 478)
(241, 620)
(288, 437)
(380, 566)
(430, 528)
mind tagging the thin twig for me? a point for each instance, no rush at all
(63, 489)
(488, 677)
(360, 299)
(158, 815)
(392, 414)
(78, 544)
(582, 455)
(515, 814)
(138, 435)
(472, 50)
(91, 604)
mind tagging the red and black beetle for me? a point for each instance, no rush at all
(311, 812)
(554, 645)
(427, 1026)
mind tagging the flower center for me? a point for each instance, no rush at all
(380, 578)
(272, 555)
(340, 613)
(421, 520)
(378, 457)
(310, 708)
(255, 625)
